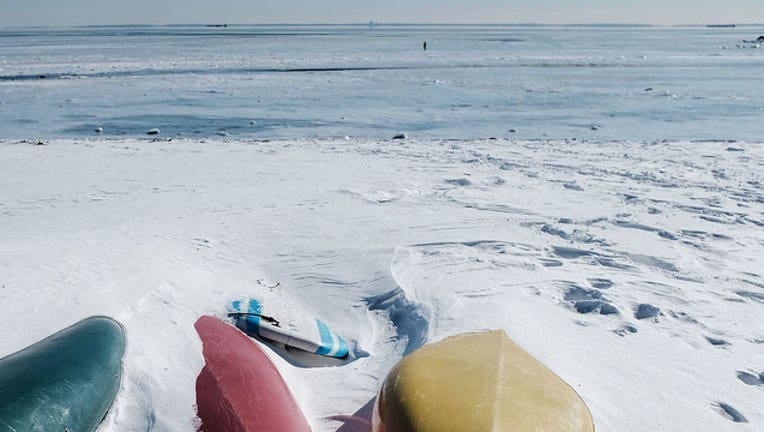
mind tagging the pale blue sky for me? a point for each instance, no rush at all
(86, 12)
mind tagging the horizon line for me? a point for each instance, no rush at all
(391, 24)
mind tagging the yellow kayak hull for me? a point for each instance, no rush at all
(482, 382)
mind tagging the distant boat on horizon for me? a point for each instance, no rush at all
(720, 25)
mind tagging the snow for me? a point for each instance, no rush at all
(399, 243)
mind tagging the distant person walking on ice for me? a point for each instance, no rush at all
(424, 46)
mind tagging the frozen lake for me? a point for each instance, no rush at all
(610, 83)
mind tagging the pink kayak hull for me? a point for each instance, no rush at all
(239, 389)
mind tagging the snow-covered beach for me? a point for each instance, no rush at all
(398, 243)
(595, 191)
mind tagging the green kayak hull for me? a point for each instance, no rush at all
(65, 382)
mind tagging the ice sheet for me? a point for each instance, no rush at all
(614, 83)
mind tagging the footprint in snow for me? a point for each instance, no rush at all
(730, 413)
(550, 262)
(751, 379)
(717, 342)
(645, 311)
(625, 330)
(459, 182)
(601, 284)
(587, 301)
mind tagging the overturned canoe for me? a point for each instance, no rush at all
(66, 382)
(480, 382)
(239, 389)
